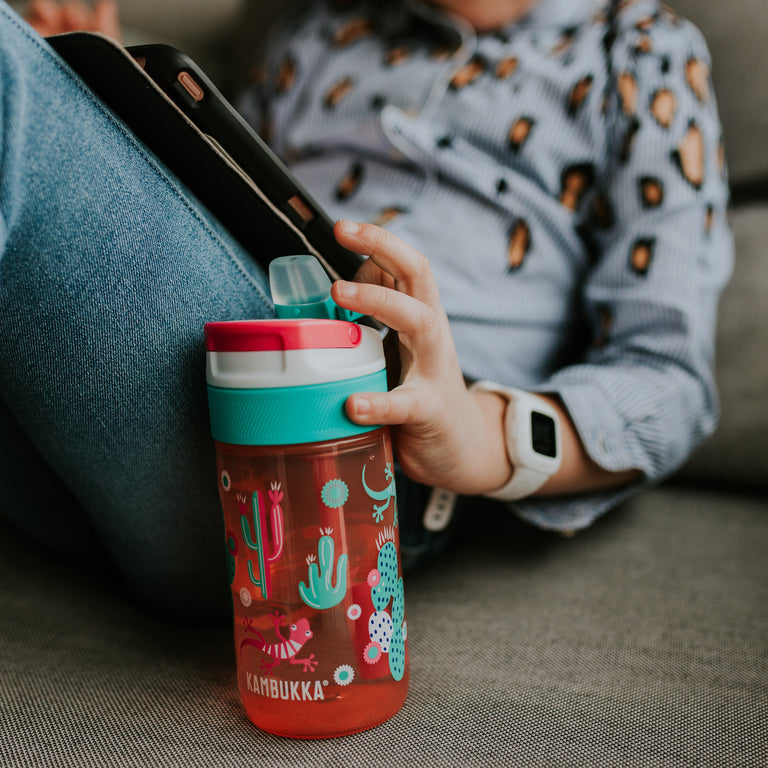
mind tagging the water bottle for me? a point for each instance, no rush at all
(310, 513)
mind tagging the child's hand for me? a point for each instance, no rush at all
(50, 17)
(444, 435)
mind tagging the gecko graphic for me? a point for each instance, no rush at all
(286, 647)
(389, 494)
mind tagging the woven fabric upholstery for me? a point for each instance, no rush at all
(736, 456)
(641, 642)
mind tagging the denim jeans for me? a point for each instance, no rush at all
(109, 270)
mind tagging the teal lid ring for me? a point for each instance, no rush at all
(289, 415)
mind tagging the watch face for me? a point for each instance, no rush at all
(543, 434)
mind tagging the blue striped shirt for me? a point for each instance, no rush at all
(565, 178)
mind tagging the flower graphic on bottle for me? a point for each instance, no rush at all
(372, 652)
(335, 493)
(374, 577)
(344, 674)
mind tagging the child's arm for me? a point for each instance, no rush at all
(445, 435)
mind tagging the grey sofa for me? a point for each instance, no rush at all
(640, 642)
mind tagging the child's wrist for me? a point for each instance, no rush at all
(487, 465)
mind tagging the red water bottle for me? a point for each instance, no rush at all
(311, 520)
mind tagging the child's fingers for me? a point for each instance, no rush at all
(51, 17)
(409, 268)
(106, 18)
(403, 405)
(46, 11)
(401, 312)
(371, 272)
(44, 16)
(419, 327)
(75, 15)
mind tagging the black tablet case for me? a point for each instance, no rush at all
(251, 198)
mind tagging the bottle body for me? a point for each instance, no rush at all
(312, 543)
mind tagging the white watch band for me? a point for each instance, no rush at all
(530, 471)
(523, 483)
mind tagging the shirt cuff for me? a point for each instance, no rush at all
(608, 442)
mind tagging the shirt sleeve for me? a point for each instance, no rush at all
(276, 64)
(644, 396)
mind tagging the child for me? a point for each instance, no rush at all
(560, 166)
(550, 175)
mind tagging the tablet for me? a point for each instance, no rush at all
(167, 101)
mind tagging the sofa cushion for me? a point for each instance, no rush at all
(737, 454)
(640, 642)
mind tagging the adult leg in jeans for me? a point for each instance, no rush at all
(108, 272)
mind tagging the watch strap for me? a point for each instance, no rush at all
(525, 480)
(523, 483)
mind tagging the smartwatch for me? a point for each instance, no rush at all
(532, 437)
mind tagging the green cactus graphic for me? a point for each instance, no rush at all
(231, 552)
(258, 542)
(320, 593)
(386, 566)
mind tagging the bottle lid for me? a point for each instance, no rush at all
(309, 343)
(274, 382)
(259, 354)
(301, 288)
(281, 335)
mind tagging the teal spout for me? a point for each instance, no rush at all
(301, 289)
